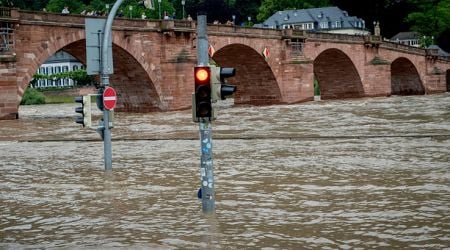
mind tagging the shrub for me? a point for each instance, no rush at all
(316, 88)
(32, 96)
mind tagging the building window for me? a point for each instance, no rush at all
(338, 24)
(324, 25)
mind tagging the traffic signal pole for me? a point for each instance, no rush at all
(105, 82)
(206, 162)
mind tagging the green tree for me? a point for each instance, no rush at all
(135, 8)
(390, 13)
(32, 96)
(269, 7)
(432, 17)
(75, 6)
(220, 10)
(247, 8)
(25, 4)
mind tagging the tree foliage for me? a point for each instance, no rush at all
(431, 18)
(32, 97)
(75, 6)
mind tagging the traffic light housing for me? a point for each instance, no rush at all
(99, 99)
(219, 89)
(201, 99)
(84, 110)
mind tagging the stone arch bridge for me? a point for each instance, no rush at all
(154, 60)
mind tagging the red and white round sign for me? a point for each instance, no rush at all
(109, 98)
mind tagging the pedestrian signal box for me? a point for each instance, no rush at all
(84, 110)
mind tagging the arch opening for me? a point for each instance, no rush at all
(136, 91)
(337, 76)
(447, 77)
(255, 81)
(405, 79)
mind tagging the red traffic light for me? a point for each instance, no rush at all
(202, 75)
(202, 106)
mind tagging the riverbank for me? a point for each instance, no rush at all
(53, 96)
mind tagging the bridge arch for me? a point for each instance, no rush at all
(255, 81)
(36, 56)
(132, 74)
(405, 79)
(134, 80)
(448, 80)
(337, 75)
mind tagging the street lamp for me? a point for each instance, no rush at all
(130, 8)
(107, 8)
(183, 2)
(159, 8)
(234, 19)
(249, 18)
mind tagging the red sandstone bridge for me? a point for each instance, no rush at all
(154, 60)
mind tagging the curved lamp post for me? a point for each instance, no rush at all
(159, 8)
(183, 2)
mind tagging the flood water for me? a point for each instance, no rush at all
(365, 173)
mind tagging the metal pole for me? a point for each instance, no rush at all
(105, 82)
(206, 162)
(202, 41)
(159, 8)
(183, 2)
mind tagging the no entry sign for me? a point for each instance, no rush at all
(109, 98)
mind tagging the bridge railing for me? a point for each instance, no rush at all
(234, 29)
(333, 36)
(7, 39)
(5, 12)
(402, 47)
(183, 24)
(8, 18)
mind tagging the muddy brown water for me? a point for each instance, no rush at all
(366, 173)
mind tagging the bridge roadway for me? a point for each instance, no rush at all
(154, 60)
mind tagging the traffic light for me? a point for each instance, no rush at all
(219, 89)
(201, 99)
(85, 110)
(99, 99)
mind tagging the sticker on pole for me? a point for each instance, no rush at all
(109, 98)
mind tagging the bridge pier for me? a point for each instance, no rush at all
(9, 106)
(436, 83)
(296, 81)
(377, 78)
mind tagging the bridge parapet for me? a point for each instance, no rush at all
(50, 18)
(335, 37)
(293, 34)
(403, 48)
(229, 30)
(372, 41)
(9, 14)
(8, 19)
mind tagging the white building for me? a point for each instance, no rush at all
(61, 61)
(407, 38)
(327, 19)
